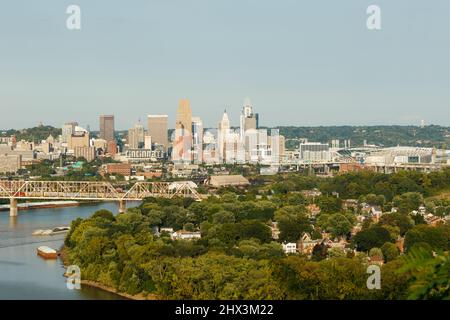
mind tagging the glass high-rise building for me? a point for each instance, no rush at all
(183, 122)
(182, 142)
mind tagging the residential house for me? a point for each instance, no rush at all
(168, 230)
(275, 231)
(306, 244)
(290, 248)
(313, 209)
(341, 244)
(313, 193)
(376, 260)
(376, 213)
(186, 235)
(350, 204)
(434, 220)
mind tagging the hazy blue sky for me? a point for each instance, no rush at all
(301, 62)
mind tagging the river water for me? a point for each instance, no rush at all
(23, 274)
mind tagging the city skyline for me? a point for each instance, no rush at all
(293, 58)
(235, 121)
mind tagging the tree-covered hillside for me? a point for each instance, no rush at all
(428, 136)
(35, 134)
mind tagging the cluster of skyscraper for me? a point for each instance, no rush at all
(190, 142)
(78, 142)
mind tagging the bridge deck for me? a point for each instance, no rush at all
(98, 191)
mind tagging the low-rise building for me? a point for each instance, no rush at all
(433, 220)
(350, 204)
(123, 169)
(227, 180)
(313, 193)
(290, 248)
(186, 235)
(10, 163)
(306, 244)
(150, 175)
(341, 244)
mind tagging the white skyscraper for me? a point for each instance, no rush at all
(148, 142)
(136, 136)
(248, 119)
(224, 131)
(197, 140)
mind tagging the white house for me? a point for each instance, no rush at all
(290, 247)
(186, 235)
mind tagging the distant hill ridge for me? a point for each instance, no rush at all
(384, 135)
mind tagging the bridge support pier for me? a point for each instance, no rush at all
(13, 211)
(122, 206)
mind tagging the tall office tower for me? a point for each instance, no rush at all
(148, 142)
(276, 146)
(197, 140)
(182, 142)
(248, 119)
(157, 129)
(67, 130)
(282, 140)
(78, 139)
(107, 127)
(183, 124)
(136, 136)
(224, 132)
(85, 152)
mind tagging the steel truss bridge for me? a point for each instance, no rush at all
(93, 191)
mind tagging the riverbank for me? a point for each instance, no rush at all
(23, 275)
(63, 254)
(112, 290)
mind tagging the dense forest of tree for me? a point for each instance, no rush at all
(354, 185)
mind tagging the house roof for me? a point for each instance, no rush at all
(187, 232)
